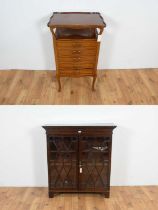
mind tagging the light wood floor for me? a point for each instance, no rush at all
(122, 198)
(112, 87)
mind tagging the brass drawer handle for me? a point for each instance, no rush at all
(76, 51)
(76, 59)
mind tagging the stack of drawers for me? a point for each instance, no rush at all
(76, 43)
(76, 57)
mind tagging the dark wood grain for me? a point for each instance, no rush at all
(79, 158)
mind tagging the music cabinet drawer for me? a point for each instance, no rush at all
(76, 59)
(76, 53)
(78, 72)
(76, 44)
(75, 65)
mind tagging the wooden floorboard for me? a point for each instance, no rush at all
(137, 86)
(122, 198)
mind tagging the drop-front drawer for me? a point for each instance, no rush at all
(76, 72)
(76, 52)
(75, 65)
(77, 59)
(77, 44)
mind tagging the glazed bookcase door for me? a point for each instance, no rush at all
(94, 163)
(62, 155)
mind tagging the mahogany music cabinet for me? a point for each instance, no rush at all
(79, 158)
(76, 37)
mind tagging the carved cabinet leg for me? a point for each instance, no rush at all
(107, 194)
(59, 84)
(93, 83)
(51, 195)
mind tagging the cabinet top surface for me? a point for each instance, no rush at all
(76, 19)
(80, 125)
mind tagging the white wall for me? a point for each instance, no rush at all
(130, 40)
(23, 144)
